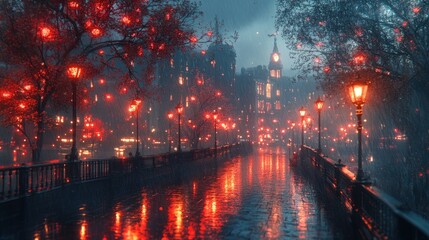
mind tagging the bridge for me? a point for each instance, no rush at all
(228, 193)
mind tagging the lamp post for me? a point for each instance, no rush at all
(293, 136)
(170, 116)
(134, 107)
(215, 114)
(319, 105)
(179, 109)
(74, 73)
(357, 93)
(302, 114)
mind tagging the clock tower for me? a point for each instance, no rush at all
(275, 66)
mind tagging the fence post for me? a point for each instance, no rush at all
(338, 168)
(356, 204)
(23, 179)
(77, 171)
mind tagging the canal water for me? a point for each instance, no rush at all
(254, 197)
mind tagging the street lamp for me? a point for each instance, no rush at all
(302, 114)
(293, 135)
(170, 116)
(134, 107)
(357, 93)
(74, 72)
(215, 114)
(179, 109)
(319, 105)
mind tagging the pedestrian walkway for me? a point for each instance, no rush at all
(254, 197)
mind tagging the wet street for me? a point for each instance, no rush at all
(253, 197)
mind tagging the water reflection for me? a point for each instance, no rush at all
(254, 197)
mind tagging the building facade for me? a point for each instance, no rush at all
(266, 111)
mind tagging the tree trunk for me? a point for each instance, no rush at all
(37, 151)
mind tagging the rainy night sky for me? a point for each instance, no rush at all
(253, 20)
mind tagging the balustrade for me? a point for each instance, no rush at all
(380, 213)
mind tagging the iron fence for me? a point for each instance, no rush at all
(380, 213)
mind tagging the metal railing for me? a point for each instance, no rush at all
(16, 182)
(381, 214)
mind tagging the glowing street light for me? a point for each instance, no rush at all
(319, 106)
(215, 114)
(170, 116)
(302, 114)
(74, 73)
(179, 109)
(134, 107)
(357, 92)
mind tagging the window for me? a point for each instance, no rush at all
(277, 92)
(268, 106)
(260, 89)
(260, 106)
(268, 90)
(277, 105)
(275, 73)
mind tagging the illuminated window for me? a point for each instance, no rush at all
(277, 92)
(268, 91)
(275, 73)
(277, 105)
(268, 106)
(260, 106)
(180, 80)
(260, 89)
(172, 63)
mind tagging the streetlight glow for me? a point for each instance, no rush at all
(215, 114)
(319, 106)
(170, 116)
(74, 72)
(179, 108)
(319, 103)
(358, 91)
(134, 107)
(302, 114)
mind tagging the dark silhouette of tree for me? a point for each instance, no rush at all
(40, 39)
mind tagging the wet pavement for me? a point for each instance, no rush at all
(253, 197)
